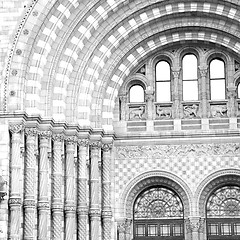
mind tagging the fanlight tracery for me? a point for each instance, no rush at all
(158, 202)
(225, 202)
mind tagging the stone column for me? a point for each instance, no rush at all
(150, 106)
(194, 227)
(123, 107)
(57, 204)
(29, 184)
(176, 92)
(232, 95)
(15, 198)
(203, 79)
(94, 189)
(82, 209)
(106, 191)
(43, 179)
(70, 208)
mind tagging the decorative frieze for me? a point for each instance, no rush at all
(159, 151)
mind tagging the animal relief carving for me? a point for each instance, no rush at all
(163, 112)
(136, 112)
(190, 111)
(219, 111)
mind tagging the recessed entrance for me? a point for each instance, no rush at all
(158, 214)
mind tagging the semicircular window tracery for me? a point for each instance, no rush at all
(158, 213)
(223, 213)
(158, 203)
(225, 202)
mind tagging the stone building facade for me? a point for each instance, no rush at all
(119, 120)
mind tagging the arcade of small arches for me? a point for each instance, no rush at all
(186, 83)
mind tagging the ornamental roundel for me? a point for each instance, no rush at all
(224, 202)
(158, 202)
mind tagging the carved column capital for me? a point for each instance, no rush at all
(176, 72)
(203, 71)
(84, 142)
(195, 224)
(71, 140)
(96, 144)
(32, 132)
(59, 137)
(106, 147)
(16, 128)
(45, 134)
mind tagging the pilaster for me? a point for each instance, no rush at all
(29, 184)
(82, 209)
(57, 204)
(15, 200)
(43, 201)
(106, 198)
(70, 208)
(94, 189)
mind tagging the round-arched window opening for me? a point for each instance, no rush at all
(158, 214)
(136, 94)
(223, 213)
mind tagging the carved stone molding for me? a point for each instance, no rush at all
(15, 201)
(16, 128)
(107, 213)
(43, 205)
(70, 208)
(153, 178)
(29, 203)
(94, 213)
(57, 207)
(82, 211)
(159, 151)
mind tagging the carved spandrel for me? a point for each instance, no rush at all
(159, 151)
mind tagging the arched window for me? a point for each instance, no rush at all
(158, 213)
(223, 213)
(136, 94)
(190, 77)
(217, 79)
(163, 82)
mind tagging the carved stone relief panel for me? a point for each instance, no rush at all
(163, 112)
(137, 112)
(219, 111)
(191, 111)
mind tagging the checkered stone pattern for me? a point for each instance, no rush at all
(192, 169)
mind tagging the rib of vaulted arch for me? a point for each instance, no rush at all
(82, 52)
